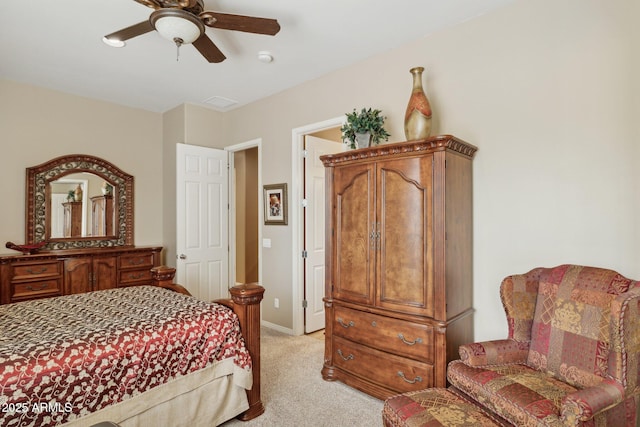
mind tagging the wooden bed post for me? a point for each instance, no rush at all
(245, 302)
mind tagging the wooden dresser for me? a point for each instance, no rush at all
(398, 283)
(71, 271)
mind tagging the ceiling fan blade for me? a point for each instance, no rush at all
(248, 24)
(177, 4)
(131, 32)
(153, 4)
(208, 49)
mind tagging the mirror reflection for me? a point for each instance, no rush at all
(81, 205)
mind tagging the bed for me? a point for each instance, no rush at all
(137, 356)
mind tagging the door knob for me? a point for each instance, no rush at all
(182, 256)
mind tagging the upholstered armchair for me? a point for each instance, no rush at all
(572, 356)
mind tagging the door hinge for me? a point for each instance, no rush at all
(305, 254)
(305, 153)
(304, 203)
(304, 303)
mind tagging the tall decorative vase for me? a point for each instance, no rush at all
(417, 118)
(78, 193)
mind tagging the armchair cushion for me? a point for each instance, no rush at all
(517, 393)
(570, 335)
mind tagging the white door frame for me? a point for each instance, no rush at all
(232, 217)
(297, 225)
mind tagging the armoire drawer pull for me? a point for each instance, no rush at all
(349, 357)
(417, 379)
(346, 325)
(416, 341)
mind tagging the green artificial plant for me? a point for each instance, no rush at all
(367, 120)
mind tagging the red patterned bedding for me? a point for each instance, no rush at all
(61, 358)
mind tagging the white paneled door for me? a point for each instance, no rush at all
(202, 241)
(314, 229)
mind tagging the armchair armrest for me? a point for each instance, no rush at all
(496, 352)
(586, 403)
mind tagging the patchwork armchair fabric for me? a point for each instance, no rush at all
(572, 356)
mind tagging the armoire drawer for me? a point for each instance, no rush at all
(385, 333)
(397, 373)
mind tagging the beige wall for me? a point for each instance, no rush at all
(185, 124)
(547, 90)
(38, 124)
(544, 89)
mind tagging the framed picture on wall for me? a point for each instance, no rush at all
(275, 204)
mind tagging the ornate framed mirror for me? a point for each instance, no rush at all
(79, 201)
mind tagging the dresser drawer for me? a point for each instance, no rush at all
(30, 271)
(394, 372)
(36, 289)
(385, 333)
(135, 261)
(135, 277)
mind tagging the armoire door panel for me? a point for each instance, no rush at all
(404, 189)
(354, 211)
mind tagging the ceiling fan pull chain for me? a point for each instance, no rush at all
(178, 42)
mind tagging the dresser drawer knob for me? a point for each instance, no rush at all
(346, 325)
(349, 357)
(414, 342)
(417, 379)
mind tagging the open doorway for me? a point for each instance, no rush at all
(245, 178)
(245, 215)
(307, 216)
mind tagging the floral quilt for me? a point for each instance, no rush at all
(61, 358)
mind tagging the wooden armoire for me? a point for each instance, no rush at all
(398, 283)
(102, 215)
(72, 224)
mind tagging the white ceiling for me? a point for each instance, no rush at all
(58, 45)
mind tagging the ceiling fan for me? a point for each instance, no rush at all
(183, 22)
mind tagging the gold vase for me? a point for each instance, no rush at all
(417, 118)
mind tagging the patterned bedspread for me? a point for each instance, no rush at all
(64, 357)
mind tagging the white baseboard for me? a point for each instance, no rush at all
(278, 328)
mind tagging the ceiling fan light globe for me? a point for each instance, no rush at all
(177, 24)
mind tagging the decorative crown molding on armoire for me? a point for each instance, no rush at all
(398, 284)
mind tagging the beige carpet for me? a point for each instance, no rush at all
(294, 393)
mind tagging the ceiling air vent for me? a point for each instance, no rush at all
(220, 102)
